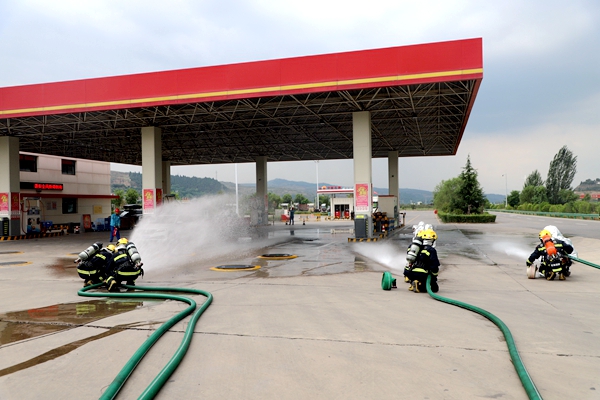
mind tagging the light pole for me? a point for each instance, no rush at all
(317, 205)
(505, 190)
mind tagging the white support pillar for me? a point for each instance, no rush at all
(10, 186)
(363, 188)
(151, 168)
(166, 178)
(261, 217)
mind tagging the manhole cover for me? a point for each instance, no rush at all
(235, 267)
(278, 256)
(3, 264)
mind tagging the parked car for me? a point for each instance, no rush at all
(130, 215)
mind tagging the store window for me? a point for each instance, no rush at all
(69, 205)
(68, 167)
(27, 163)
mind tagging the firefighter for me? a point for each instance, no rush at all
(426, 263)
(411, 253)
(126, 266)
(554, 256)
(93, 263)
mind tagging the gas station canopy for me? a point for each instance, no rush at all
(291, 109)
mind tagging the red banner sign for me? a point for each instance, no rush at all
(148, 200)
(3, 203)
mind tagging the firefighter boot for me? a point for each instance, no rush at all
(112, 285)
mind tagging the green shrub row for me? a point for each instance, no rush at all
(579, 207)
(471, 218)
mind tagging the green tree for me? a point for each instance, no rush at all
(539, 195)
(118, 202)
(587, 197)
(469, 197)
(323, 199)
(274, 200)
(286, 198)
(526, 195)
(132, 196)
(534, 179)
(560, 175)
(444, 192)
(513, 198)
(301, 199)
(567, 196)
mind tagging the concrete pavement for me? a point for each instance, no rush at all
(316, 326)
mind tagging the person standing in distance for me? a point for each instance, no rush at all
(115, 225)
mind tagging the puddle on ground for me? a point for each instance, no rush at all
(63, 266)
(21, 325)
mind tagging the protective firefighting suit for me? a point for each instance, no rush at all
(126, 266)
(554, 256)
(93, 263)
(425, 264)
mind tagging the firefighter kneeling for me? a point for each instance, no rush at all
(554, 257)
(126, 266)
(93, 263)
(426, 263)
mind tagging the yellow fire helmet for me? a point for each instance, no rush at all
(111, 247)
(429, 234)
(122, 241)
(544, 232)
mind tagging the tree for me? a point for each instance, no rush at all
(444, 192)
(119, 200)
(132, 196)
(300, 199)
(286, 198)
(567, 196)
(323, 199)
(469, 197)
(533, 195)
(534, 179)
(274, 200)
(513, 198)
(560, 175)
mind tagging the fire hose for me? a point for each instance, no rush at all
(160, 379)
(526, 380)
(584, 261)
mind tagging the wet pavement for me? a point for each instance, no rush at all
(317, 325)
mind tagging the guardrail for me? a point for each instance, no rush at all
(550, 214)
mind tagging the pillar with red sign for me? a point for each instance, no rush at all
(151, 168)
(10, 206)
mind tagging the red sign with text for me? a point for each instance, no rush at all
(148, 199)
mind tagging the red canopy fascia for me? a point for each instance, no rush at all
(423, 63)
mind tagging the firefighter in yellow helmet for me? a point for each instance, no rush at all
(93, 263)
(426, 263)
(126, 266)
(554, 257)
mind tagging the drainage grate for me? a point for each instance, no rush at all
(235, 267)
(4, 264)
(278, 256)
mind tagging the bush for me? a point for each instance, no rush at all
(469, 218)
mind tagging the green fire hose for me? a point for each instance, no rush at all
(526, 381)
(584, 261)
(154, 387)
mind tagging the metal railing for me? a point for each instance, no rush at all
(550, 214)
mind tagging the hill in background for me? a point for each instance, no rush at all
(191, 187)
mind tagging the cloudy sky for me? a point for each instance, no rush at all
(540, 91)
